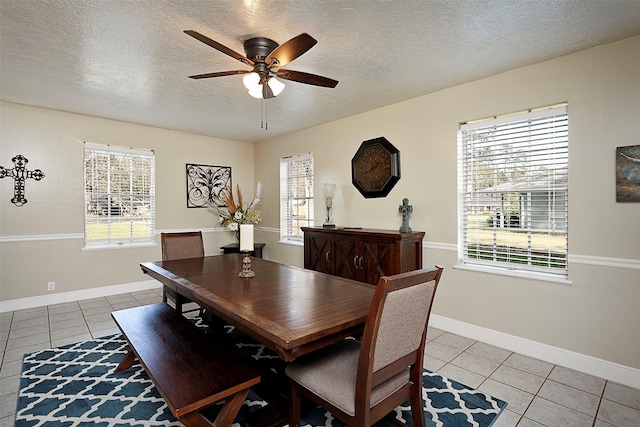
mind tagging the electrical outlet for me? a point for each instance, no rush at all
(51, 286)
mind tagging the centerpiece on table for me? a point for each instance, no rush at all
(235, 213)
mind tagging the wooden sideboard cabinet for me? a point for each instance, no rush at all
(361, 254)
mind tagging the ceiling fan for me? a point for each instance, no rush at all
(266, 57)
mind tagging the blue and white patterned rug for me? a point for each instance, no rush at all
(75, 385)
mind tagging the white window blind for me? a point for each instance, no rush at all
(119, 195)
(296, 195)
(514, 193)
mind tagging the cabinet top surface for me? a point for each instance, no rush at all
(354, 230)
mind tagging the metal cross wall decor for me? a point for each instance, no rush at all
(20, 174)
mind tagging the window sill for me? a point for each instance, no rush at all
(292, 242)
(520, 274)
(118, 246)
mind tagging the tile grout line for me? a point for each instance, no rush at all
(545, 378)
(4, 347)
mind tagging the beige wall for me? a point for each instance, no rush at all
(42, 240)
(598, 314)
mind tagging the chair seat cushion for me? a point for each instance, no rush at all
(331, 374)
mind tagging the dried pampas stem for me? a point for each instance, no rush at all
(239, 196)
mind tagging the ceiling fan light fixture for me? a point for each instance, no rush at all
(256, 91)
(251, 80)
(276, 86)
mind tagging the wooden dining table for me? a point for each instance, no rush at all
(291, 310)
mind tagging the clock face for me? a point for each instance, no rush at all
(375, 168)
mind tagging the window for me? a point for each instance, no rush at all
(296, 195)
(513, 189)
(119, 196)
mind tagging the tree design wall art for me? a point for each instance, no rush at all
(206, 184)
(628, 174)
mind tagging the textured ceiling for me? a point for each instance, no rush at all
(129, 59)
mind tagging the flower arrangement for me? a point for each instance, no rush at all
(236, 213)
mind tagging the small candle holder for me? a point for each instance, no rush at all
(246, 265)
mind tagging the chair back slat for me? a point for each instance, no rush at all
(403, 319)
(396, 324)
(182, 245)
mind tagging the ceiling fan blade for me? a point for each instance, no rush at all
(219, 74)
(310, 79)
(222, 48)
(290, 50)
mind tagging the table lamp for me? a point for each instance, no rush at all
(329, 190)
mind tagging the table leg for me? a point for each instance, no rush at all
(127, 361)
(225, 417)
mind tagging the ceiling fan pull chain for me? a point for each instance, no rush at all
(264, 119)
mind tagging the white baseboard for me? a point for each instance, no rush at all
(601, 368)
(62, 297)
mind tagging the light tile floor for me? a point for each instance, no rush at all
(538, 393)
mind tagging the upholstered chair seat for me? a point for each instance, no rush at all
(331, 374)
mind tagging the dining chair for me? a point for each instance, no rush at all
(360, 382)
(180, 246)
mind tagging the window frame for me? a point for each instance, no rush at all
(287, 234)
(543, 165)
(121, 230)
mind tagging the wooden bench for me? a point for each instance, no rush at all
(190, 371)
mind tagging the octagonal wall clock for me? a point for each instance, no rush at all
(375, 168)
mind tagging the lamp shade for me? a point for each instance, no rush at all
(256, 91)
(276, 86)
(251, 80)
(328, 189)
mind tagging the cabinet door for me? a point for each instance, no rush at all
(347, 259)
(318, 254)
(379, 259)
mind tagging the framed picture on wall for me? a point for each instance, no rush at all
(628, 174)
(206, 184)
